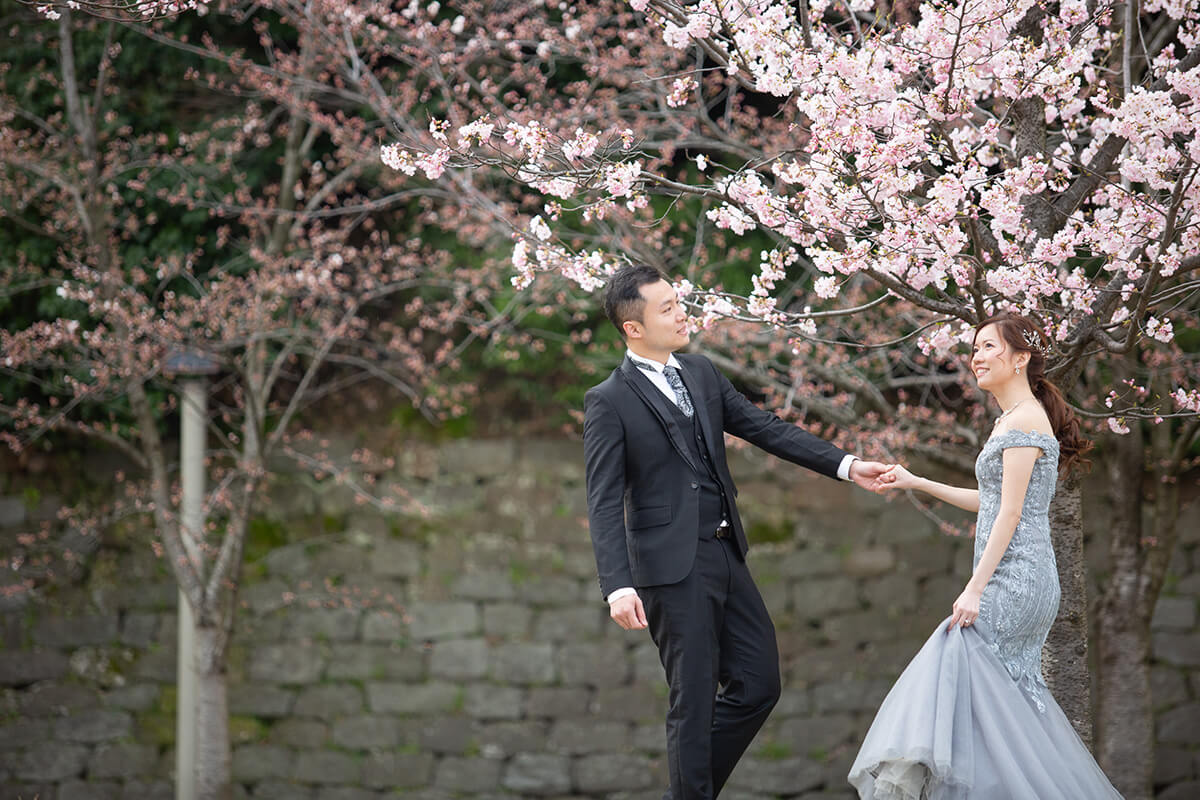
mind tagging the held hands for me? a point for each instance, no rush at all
(628, 612)
(868, 474)
(966, 608)
(897, 477)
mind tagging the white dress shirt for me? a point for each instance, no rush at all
(656, 376)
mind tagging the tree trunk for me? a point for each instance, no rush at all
(213, 775)
(1125, 719)
(1065, 655)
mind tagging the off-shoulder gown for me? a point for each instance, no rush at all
(971, 716)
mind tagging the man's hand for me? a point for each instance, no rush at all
(869, 475)
(628, 612)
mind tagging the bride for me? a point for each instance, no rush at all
(971, 716)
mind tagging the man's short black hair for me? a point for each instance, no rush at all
(623, 298)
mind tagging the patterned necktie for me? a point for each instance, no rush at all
(682, 398)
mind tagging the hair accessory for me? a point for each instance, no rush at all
(1035, 342)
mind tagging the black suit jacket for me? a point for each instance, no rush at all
(642, 484)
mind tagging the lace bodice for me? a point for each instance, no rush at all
(1020, 600)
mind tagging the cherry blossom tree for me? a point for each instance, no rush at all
(854, 185)
(307, 276)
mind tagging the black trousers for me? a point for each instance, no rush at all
(717, 645)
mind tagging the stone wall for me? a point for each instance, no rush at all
(467, 653)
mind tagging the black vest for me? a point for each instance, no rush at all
(712, 497)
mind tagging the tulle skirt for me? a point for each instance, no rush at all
(956, 726)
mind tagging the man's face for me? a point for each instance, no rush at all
(663, 328)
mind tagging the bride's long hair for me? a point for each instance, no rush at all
(1020, 334)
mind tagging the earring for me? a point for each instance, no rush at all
(1017, 370)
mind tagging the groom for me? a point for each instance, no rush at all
(670, 546)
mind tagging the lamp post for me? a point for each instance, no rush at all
(194, 367)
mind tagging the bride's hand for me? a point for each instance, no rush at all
(897, 478)
(966, 608)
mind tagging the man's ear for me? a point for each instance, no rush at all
(632, 328)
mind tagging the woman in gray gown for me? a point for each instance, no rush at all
(971, 716)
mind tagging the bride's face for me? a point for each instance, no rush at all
(993, 362)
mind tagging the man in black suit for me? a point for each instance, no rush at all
(670, 547)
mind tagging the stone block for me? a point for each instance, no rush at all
(816, 737)
(459, 659)
(363, 661)
(487, 584)
(508, 737)
(612, 772)
(286, 663)
(383, 625)
(290, 561)
(650, 737)
(815, 598)
(325, 624)
(479, 458)
(264, 597)
(150, 789)
(21, 731)
(23, 667)
(283, 790)
(793, 702)
(1180, 649)
(51, 761)
(576, 737)
(397, 771)
(571, 624)
(366, 732)
(1187, 790)
(930, 556)
(85, 790)
(809, 562)
(328, 701)
(56, 699)
(557, 701)
(326, 767)
(522, 663)
(1167, 687)
(869, 562)
(122, 761)
(347, 793)
(95, 725)
(79, 631)
(337, 559)
(537, 774)
(777, 776)
(257, 762)
(396, 558)
(470, 774)
(542, 589)
(140, 628)
(628, 703)
(484, 701)
(647, 664)
(506, 619)
(1174, 614)
(432, 621)
(861, 695)
(386, 697)
(1180, 725)
(1172, 765)
(448, 735)
(260, 700)
(891, 594)
(589, 664)
(299, 733)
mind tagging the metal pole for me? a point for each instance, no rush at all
(193, 434)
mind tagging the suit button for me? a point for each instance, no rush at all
(695, 485)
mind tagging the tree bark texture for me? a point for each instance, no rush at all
(1124, 719)
(213, 771)
(1065, 654)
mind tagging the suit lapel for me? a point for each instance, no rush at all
(692, 381)
(658, 404)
